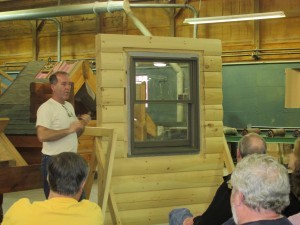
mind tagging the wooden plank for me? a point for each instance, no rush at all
(25, 141)
(87, 145)
(292, 81)
(3, 85)
(213, 79)
(121, 148)
(5, 156)
(114, 211)
(114, 114)
(120, 128)
(213, 128)
(12, 151)
(113, 61)
(213, 112)
(160, 165)
(76, 72)
(97, 131)
(90, 179)
(82, 73)
(227, 157)
(213, 96)
(113, 43)
(112, 78)
(151, 127)
(78, 84)
(3, 123)
(212, 63)
(152, 216)
(152, 182)
(214, 145)
(5, 75)
(104, 165)
(20, 178)
(162, 198)
(112, 96)
(108, 167)
(140, 126)
(91, 81)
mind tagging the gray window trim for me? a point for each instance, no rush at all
(172, 147)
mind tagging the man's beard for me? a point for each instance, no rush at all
(234, 215)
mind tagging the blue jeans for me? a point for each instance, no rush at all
(44, 168)
(177, 216)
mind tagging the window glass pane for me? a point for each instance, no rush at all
(159, 122)
(168, 82)
(164, 103)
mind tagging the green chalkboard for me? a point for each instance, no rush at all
(253, 95)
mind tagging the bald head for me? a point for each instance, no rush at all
(251, 143)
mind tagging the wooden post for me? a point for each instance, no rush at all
(104, 166)
(227, 157)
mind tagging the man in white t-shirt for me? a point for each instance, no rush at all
(57, 125)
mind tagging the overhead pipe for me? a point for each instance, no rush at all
(262, 49)
(90, 8)
(58, 25)
(49, 13)
(65, 10)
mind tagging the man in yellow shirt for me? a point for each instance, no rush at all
(67, 173)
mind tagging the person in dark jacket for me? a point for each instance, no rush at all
(219, 210)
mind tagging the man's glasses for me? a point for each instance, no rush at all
(70, 114)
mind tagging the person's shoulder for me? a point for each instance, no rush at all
(92, 210)
(18, 213)
(91, 205)
(23, 201)
(226, 184)
(21, 204)
(46, 104)
(295, 219)
(229, 222)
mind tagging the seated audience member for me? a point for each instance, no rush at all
(294, 165)
(260, 191)
(219, 210)
(67, 173)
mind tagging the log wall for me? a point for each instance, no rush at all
(147, 188)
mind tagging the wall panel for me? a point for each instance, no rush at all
(141, 185)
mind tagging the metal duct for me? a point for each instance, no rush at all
(66, 10)
(58, 25)
(90, 8)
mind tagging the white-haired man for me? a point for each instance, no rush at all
(260, 191)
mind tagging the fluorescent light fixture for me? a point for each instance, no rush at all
(233, 18)
(159, 64)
